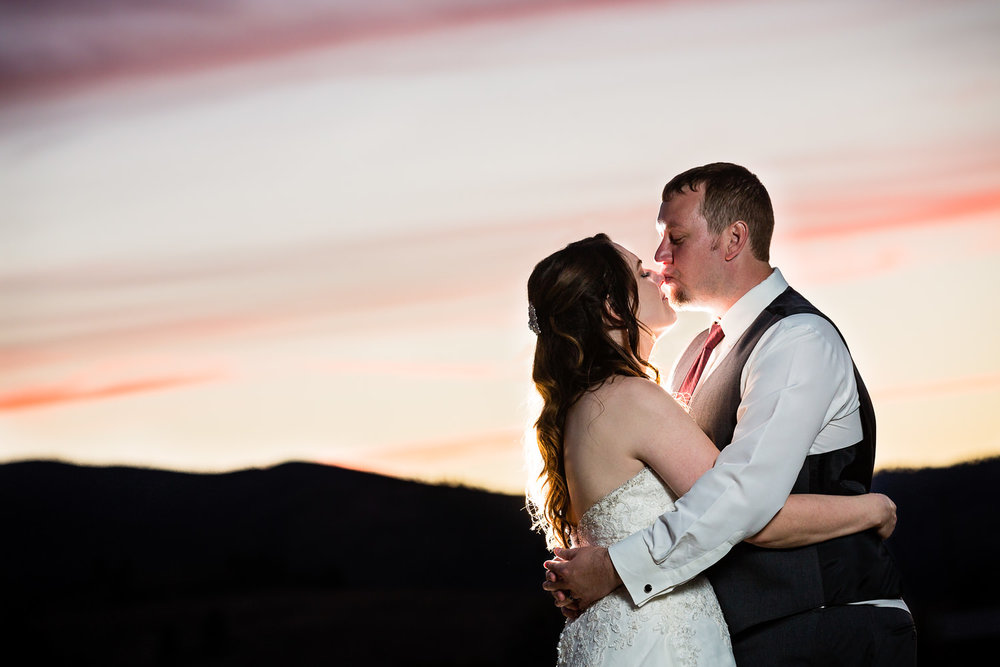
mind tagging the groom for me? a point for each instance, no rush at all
(774, 386)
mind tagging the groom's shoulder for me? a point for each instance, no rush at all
(809, 334)
(792, 310)
(808, 325)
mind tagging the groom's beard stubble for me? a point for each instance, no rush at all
(678, 298)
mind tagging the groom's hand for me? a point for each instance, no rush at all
(582, 576)
(887, 521)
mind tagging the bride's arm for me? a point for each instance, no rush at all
(809, 518)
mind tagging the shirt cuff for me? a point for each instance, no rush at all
(645, 579)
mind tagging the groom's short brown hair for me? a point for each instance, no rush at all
(731, 193)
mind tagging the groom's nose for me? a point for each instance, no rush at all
(663, 254)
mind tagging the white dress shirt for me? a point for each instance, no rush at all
(798, 397)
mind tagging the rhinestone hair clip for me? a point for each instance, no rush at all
(533, 319)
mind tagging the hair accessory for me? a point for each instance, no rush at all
(533, 319)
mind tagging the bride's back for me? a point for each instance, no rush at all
(598, 456)
(622, 425)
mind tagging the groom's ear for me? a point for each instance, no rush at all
(734, 239)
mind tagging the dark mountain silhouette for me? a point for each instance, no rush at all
(304, 564)
(297, 564)
(947, 545)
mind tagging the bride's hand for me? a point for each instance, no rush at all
(886, 513)
(585, 574)
(562, 599)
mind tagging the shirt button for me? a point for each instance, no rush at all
(648, 588)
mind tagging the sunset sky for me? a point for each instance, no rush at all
(237, 233)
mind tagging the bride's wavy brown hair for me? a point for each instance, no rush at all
(582, 295)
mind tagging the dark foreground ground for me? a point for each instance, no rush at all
(311, 565)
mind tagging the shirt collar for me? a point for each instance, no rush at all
(742, 314)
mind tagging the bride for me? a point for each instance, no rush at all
(617, 449)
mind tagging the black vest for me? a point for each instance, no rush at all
(754, 584)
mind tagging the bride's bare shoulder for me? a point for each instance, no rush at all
(634, 390)
(624, 397)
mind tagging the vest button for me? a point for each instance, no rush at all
(648, 588)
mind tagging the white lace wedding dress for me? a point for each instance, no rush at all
(684, 627)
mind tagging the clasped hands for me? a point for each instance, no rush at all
(577, 578)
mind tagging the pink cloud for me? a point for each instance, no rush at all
(35, 397)
(46, 46)
(873, 215)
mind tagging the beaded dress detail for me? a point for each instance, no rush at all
(681, 628)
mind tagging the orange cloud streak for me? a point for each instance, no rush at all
(44, 396)
(892, 213)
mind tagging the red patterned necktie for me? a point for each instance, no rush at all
(691, 381)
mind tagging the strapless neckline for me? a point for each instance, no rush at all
(610, 497)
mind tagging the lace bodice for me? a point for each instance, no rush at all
(682, 628)
(632, 506)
